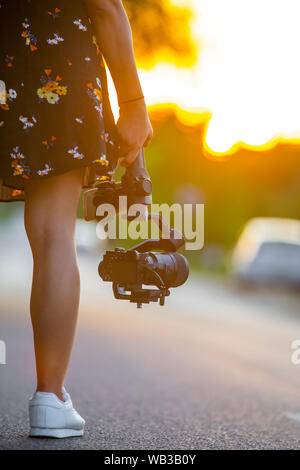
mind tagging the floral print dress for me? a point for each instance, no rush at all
(55, 114)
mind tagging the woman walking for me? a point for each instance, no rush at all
(55, 126)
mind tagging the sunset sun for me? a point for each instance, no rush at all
(246, 77)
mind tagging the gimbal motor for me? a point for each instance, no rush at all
(151, 263)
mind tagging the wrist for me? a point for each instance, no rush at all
(132, 105)
(138, 98)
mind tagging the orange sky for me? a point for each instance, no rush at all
(247, 75)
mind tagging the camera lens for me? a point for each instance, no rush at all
(173, 268)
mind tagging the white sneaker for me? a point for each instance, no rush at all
(51, 417)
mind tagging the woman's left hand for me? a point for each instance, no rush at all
(134, 130)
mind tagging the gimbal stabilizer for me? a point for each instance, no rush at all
(129, 270)
(135, 184)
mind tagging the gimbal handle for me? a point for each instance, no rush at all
(137, 175)
(138, 167)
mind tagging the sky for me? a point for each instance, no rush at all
(247, 75)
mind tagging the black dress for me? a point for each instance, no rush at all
(55, 114)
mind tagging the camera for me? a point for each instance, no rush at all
(129, 270)
(153, 262)
(135, 184)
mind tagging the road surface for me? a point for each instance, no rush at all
(211, 370)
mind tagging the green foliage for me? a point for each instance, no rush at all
(161, 31)
(249, 184)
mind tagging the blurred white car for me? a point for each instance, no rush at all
(268, 253)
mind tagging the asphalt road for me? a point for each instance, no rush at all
(211, 370)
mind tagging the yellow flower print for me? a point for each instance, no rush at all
(51, 86)
(42, 93)
(18, 165)
(61, 90)
(18, 170)
(30, 39)
(52, 98)
(98, 94)
(102, 160)
(51, 89)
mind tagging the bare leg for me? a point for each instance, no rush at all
(50, 215)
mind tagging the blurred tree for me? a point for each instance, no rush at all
(249, 184)
(161, 32)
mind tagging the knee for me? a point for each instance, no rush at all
(50, 211)
(48, 235)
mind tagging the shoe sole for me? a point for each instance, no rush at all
(56, 433)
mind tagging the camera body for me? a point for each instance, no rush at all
(135, 184)
(130, 270)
